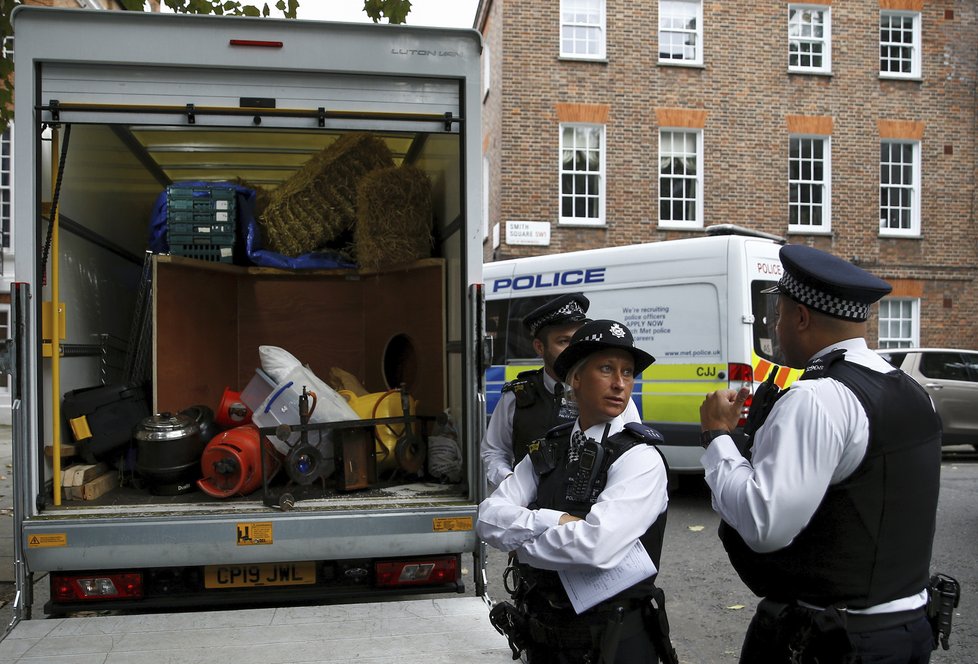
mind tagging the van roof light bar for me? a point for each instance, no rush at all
(734, 229)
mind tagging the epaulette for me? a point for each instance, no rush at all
(644, 434)
(523, 390)
(635, 433)
(819, 367)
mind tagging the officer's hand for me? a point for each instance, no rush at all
(567, 518)
(722, 409)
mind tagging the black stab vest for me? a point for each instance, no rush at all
(552, 494)
(870, 539)
(537, 411)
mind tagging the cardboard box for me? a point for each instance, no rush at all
(78, 474)
(94, 488)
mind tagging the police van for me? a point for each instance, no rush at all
(695, 304)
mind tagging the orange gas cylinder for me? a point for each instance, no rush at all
(230, 463)
(232, 412)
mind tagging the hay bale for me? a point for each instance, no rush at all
(317, 205)
(393, 217)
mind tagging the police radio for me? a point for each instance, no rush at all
(589, 463)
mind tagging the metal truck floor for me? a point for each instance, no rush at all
(426, 631)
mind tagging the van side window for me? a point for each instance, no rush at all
(765, 341)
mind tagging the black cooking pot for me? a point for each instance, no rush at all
(169, 447)
(204, 417)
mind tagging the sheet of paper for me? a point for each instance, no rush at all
(587, 586)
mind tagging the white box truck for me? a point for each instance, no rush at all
(695, 304)
(127, 104)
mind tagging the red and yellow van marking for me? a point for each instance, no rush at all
(785, 377)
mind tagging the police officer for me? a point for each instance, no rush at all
(584, 496)
(831, 517)
(534, 403)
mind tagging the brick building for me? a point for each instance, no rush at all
(849, 126)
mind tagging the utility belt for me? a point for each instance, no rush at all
(806, 635)
(543, 617)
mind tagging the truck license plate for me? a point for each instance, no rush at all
(264, 574)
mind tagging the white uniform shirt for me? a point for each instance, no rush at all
(815, 436)
(633, 498)
(497, 445)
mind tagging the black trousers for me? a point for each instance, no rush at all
(637, 649)
(577, 639)
(910, 643)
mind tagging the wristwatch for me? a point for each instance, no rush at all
(707, 436)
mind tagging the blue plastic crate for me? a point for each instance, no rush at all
(201, 221)
(215, 253)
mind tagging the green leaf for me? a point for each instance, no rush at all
(397, 11)
(250, 10)
(373, 9)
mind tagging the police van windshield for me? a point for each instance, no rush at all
(763, 308)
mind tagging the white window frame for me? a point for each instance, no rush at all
(912, 187)
(485, 197)
(574, 220)
(697, 154)
(915, 45)
(697, 56)
(5, 415)
(826, 183)
(7, 190)
(825, 40)
(486, 71)
(568, 22)
(907, 317)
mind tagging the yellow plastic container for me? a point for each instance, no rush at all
(380, 405)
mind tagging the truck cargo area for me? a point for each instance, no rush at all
(197, 324)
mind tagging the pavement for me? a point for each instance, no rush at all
(7, 586)
(6, 508)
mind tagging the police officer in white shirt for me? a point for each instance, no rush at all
(584, 496)
(534, 403)
(831, 516)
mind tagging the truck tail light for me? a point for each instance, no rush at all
(433, 571)
(88, 587)
(739, 375)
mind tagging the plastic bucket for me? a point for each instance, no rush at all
(380, 405)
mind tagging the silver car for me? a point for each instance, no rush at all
(950, 377)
